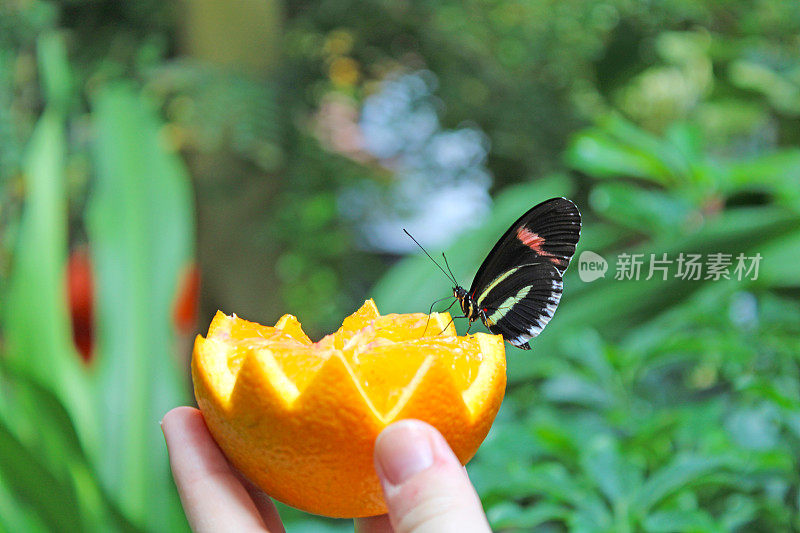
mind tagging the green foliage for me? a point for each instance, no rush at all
(650, 405)
(530, 72)
(81, 445)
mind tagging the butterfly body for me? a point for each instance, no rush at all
(518, 286)
(469, 306)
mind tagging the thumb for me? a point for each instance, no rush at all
(425, 487)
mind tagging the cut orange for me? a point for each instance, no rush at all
(300, 419)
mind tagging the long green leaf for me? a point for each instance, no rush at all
(14, 515)
(35, 317)
(53, 499)
(49, 438)
(140, 225)
(46, 411)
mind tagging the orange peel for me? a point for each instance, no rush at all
(300, 418)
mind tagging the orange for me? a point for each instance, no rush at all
(300, 418)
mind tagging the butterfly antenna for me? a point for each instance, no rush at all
(450, 277)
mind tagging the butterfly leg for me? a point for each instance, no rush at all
(452, 319)
(431, 311)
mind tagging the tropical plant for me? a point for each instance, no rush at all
(660, 404)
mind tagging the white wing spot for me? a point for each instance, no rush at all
(522, 339)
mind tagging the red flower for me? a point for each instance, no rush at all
(80, 290)
(184, 312)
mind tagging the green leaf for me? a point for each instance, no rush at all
(681, 473)
(587, 349)
(139, 221)
(767, 171)
(574, 389)
(647, 211)
(601, 156)
(553, 481)
(616, 148)
(14, 514)
(34, 415)
(689, 521)
(55, 70)
(35, 318)
(613, 473)
(780, 257)
(36, 290)
(43, 427)
(53, 499)
(687, 140)
(739, 510)
(780, 90)
(510, 515)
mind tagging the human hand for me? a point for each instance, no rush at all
(425, 487)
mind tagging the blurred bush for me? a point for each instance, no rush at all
(653, 404)
(649, 405)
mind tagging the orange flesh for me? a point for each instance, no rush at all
(366, 350)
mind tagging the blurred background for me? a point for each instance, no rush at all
(161, 160)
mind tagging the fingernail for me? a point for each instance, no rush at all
(402, 450)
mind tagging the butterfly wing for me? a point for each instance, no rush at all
(521, 301)
(519, 283)
(548, 232)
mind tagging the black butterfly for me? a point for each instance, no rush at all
(518, 286)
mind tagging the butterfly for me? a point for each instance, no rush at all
(518, 286)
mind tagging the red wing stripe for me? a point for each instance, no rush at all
(534, 242)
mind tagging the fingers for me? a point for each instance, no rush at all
(425, 487)
(266, 508)
(213, 498)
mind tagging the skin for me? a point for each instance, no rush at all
(425, 487)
